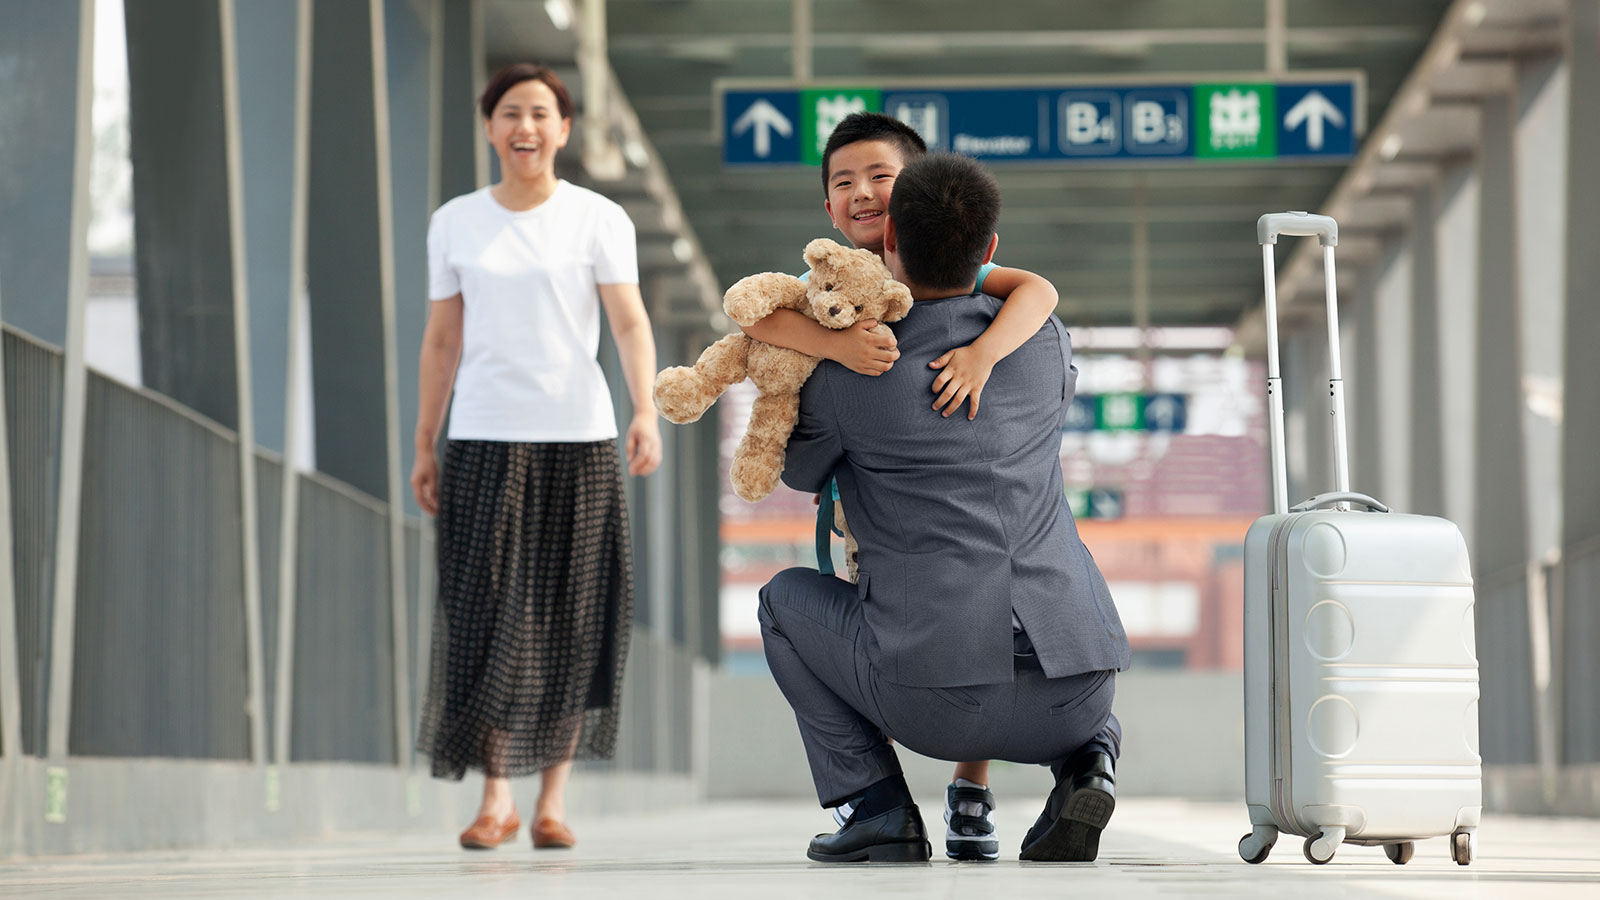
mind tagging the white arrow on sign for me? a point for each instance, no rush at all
(765, 119)
(1313, 109)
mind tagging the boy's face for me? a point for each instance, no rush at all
(860, 179)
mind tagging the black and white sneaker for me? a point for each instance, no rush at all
(969, 820)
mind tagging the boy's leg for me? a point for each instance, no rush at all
(969, 814)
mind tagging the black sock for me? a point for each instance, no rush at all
(881, 797)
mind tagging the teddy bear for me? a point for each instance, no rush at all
(845, 286)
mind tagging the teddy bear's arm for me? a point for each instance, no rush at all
(754, 298)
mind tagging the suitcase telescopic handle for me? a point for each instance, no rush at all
(1297, 223)
(1326, 230)
(1334, 498)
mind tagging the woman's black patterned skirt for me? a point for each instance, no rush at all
(535, 601)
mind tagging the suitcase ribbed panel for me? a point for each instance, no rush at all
(1369, 644)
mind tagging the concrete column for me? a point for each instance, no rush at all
(463, 161)
(1510, 704)
(295, 388)
(1456, 245)
(348, 259)
(409, 36)
(1539, 159)
(1426, 447)
(1540, 156)
(350, 278)
(267, 65)
(191, 250)
(1392, 312)
(1579, 622)
(180, 201)
(1361, 392)
(69, 491)
(38, 48)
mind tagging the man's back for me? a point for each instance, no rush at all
(959, 522)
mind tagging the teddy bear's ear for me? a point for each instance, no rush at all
(899, 297)
(819, 250)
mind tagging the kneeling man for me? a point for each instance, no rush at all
(980, 627)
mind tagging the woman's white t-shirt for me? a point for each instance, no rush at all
(531, 327)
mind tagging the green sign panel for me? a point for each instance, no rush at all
(1100, 503)
(1235, 121)
(55, 795)
(821, 111)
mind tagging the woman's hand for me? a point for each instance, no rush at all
(644, 444)
(425, 481)
(862, 350)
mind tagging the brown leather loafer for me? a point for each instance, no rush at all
(549, 834)
(487, 834)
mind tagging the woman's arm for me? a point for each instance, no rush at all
(1029, 300)
(441, 353)
(630, 328)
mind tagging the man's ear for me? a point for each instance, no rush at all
(891, 240)
(994, 243)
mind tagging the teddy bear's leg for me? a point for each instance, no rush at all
(852, 564)
(684, 393)
(759, 460)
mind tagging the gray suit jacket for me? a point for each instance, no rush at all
(959, 522)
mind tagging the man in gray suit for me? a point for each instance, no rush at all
(980, 627)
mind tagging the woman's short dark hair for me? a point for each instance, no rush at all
(945, 208)
(871, 126)
(515, 74)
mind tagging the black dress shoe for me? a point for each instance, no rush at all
(1078, 809)
(894, 836)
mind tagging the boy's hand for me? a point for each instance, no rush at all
(966, 371)
(860, 349)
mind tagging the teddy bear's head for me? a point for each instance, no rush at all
(847, 286)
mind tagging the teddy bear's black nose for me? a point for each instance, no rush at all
(833, 310)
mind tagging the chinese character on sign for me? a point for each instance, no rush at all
(1235, 119)
(831, 110)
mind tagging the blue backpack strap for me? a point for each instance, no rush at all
(825, 529)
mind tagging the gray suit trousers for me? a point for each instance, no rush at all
(820, 652)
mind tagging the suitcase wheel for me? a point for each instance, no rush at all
(1461, 848)
(1401, 853)
(1320, 847)
(1254, 847)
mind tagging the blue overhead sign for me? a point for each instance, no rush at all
(760, 126)
(1314, 116)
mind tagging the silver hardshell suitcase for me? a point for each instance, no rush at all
(1361, 675)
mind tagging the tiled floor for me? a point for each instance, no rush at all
(755, 851)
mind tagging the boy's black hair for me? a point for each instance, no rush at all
(871, 126)
(944, 208)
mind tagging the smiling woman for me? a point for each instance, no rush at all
(535, 579)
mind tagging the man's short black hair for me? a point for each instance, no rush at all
(871, 126)
(945, 208)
